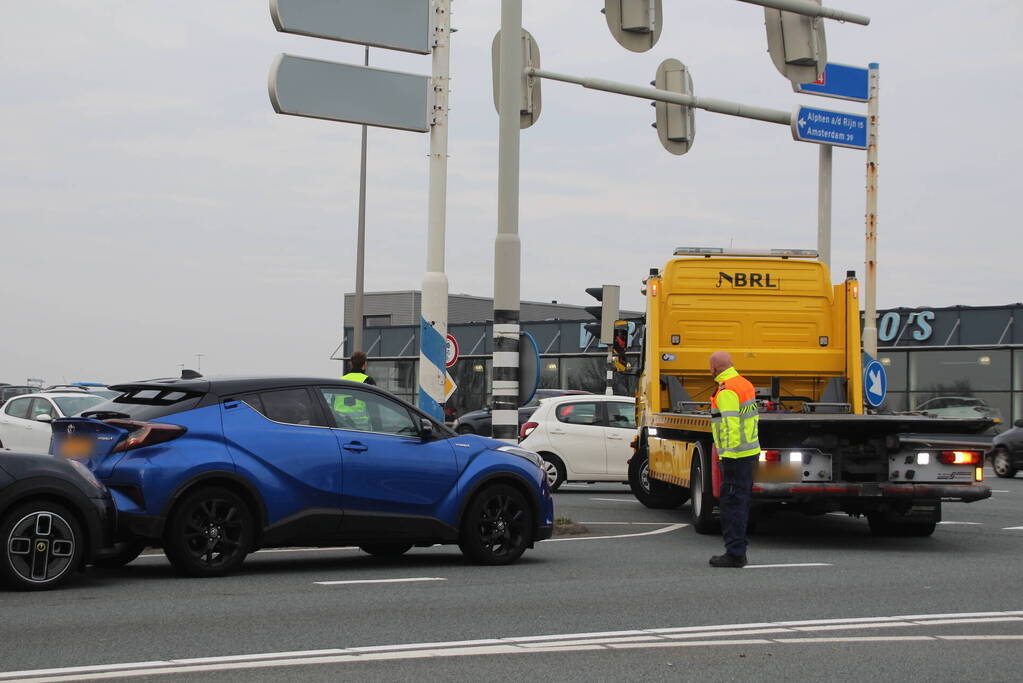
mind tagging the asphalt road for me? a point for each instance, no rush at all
(632, 598)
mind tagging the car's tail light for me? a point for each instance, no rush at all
(959, 457)
(527, 429)
(144, 434)
(770, 456)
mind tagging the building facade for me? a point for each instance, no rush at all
(954, 352)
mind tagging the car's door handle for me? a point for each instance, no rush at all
(355, 446)
(612, 436)
(555, 431)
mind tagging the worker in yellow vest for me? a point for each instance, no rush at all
(735, 421)
(348, 406)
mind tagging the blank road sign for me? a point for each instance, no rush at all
(347, 92)
(393, 24)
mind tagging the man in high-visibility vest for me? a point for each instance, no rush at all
(735, 423)
(349, 406)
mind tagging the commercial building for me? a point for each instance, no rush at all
(953, 352)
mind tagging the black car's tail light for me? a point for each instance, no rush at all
(142, 434)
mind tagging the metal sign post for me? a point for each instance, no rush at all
(433, 379)
(507, 247)
(870, 298)
(824, 205)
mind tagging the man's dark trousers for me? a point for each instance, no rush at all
(736, 494)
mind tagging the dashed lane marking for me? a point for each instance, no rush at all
(1012, 528)
(617, 500)
(414, 579)
(667, 529)
(794, 564)
(608, 641)
(964, 523)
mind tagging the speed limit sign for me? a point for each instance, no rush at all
(451, 351)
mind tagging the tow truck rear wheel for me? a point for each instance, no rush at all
(652, 493)
(703, 493)
(887, 524)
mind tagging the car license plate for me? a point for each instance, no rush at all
(76, 447)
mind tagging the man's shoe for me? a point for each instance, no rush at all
(726, 560)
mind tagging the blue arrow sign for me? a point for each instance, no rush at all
(875, 383)
(829, 127)
(841, 81)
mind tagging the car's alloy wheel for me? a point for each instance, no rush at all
(42, 546)
(497, 526)
(554, 469)
(209, 533)
(1000, 464)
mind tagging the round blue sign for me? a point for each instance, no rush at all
(875, 383)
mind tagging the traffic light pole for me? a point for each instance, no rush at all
(433, 323)
(706, 103)
(811, 9)
(507, 247)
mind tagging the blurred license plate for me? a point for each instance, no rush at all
(76, 447)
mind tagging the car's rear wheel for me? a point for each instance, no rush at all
(43, 545)
(125, 553)
(386, 549)
(555, 470)
(1001, 464)
(209, 533)
(497, 526)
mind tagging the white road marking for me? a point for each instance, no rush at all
(999, 491)
(629, 523)
(266, 551)
(617, 500)
(794, 564)
(1012, 528)
(409, 580)
(670, 527)
(964, 523)
(689, 636)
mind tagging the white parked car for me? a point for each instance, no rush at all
(25, 420)
(582, 437)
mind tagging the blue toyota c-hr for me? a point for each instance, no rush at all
(213, 469)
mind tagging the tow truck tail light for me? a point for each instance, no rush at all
(770, 456)
(527, 429)
(142, 434)
(959, 457)
(978, 474)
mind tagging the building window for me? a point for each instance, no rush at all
(376, 320)
(958, 373)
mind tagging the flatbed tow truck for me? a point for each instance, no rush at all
(796, 337)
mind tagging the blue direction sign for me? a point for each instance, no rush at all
(875, 383)
(829, 127)
(840, 81)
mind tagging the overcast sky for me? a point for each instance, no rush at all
(154, 207)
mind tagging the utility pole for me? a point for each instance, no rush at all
(507, 247)
(433, 323)
(870, 300)
(360, 249)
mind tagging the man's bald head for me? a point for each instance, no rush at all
(719, 362)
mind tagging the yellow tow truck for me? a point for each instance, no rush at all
(796, 337)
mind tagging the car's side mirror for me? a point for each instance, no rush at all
(1018, 423)
(425, 428)
(45, 417)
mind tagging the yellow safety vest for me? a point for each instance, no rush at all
(735, 419)
(357, 410)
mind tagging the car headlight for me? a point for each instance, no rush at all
(523, 453)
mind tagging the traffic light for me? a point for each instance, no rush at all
(620, 346)
(796, 44)
(635, 24)
(675, 124)
(530, 104)
(606, 313)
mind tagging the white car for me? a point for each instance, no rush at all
(583, 437)
(25, 420)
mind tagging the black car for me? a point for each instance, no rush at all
(55, 517)
(478, 421)
(11, 390)
(1006, 452)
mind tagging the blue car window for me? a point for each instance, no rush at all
(368, 412)
(291, 406)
